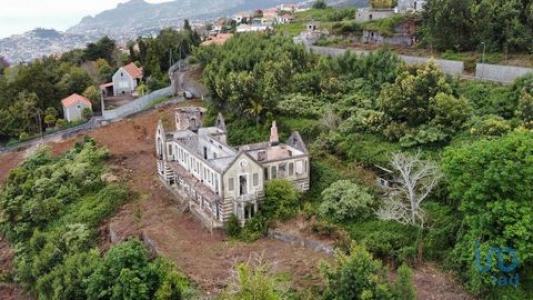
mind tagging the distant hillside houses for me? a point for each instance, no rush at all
(378, 12)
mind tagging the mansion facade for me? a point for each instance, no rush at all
(218, 180)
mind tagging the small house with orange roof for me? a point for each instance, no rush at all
(73, 107)
(125, 81)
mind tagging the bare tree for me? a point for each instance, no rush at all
(414, 179)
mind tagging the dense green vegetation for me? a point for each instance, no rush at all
(361, 110)
(503, 25)
(31, 94)
(51, 209)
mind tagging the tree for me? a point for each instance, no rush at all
(92, 93)
(344, 200)
(355, 276)
(281, 199)
(141, 89)
(414, 179)
(50, 116)
(422, 107)
(320, 4)
(103, 48)
(105, 72)
(3, 65)
(491, 180)
(403, 286)
(123, 274)
(87, 113)
(252, 281)
(76, 80)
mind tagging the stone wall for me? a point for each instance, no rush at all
(314, 245)
(500, 73)
(137, 105)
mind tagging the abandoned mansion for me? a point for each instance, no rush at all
(218, 180)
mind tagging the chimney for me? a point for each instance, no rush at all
(274, 136)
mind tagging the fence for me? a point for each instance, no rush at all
(500, 73)
(137, 105)
(451, 67)
(62, 134)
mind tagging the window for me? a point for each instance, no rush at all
(230, 184)
(256, 179)
(282, 170)
(274, 172)
(169, 150)
(265, 173)
(299, 167)
(291, 169)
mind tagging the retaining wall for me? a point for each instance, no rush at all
(500, 73)
(137, 105)
(316, 246)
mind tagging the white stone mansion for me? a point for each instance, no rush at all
(218, 180)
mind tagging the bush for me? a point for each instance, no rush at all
(87, 113)
(61, 123)
(387, 239)
(403, 287)
(233, 227)
(490, 126)
(344, 201)
(281, 200)
(355, 276)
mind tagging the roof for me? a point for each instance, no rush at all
(106, 85)
(133, 70)
(74, 99)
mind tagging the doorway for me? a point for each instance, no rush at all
(243, 185)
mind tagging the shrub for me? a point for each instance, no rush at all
(61, 123)
(387, 239)
(490, 126)
(403, 287)
(344, 201)
(355, 276)
(87, 113)
(233, 227)
(281, 200)
(253, 281)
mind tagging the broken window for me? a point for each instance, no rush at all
(299, 167)
(282, 170)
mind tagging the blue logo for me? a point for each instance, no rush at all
(507, 262)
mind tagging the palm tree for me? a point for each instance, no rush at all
(255, 110)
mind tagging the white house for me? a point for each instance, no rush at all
(218, 180)
(126, 79)
(73, 107)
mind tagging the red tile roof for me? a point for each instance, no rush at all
(134, 71)
(74, 99)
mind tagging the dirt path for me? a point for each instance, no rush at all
(207, 258)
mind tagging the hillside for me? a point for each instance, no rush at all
(139, 17)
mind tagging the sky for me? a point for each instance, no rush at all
(18, 16)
